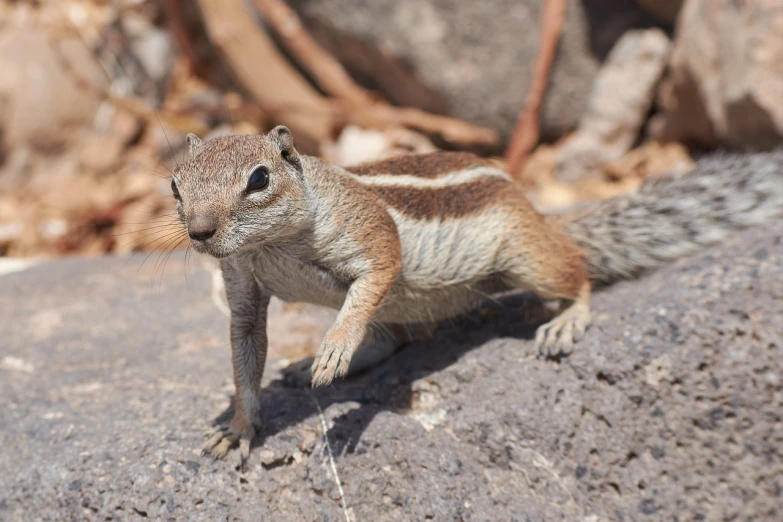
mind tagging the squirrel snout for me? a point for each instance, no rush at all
(201, 235)
(200, 229)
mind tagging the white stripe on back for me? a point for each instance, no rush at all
(457, 177)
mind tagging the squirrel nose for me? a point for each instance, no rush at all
(201, 235)
(202, 226)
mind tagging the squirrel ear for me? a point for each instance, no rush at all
(282, 138)
(193, 142)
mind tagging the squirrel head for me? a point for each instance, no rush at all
(237, 190)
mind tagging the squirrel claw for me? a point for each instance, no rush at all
(222, 439)
(221, 449)
(331, 361)
(244, 452)
(557, 337)
(215, 436)
(218, 444)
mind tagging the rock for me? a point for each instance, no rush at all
(46, 106)
(151, 45)
(110, 375)
(100, 153)
(725, 85)
(9, 232)
(472, 60)
(664, 10)
(550, 195)
(619, 102)
(103, 149)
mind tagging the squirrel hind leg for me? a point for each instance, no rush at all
(547, 263)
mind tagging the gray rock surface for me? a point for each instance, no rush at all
(725, 81)
(472, 59)
(664, 10)
(671, 409)
(38, 90)
(619, 102)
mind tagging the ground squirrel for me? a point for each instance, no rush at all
(421, 238)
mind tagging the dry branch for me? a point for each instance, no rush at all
(264, 72)
(328, 72)
(361, 107)
(130, 104)
(451, 130)
(526, 132)
(174, 17)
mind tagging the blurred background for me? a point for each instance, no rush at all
(579, 99)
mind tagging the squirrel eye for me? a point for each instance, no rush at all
(175, 191)
(259, 179)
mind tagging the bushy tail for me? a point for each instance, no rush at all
(668, 218)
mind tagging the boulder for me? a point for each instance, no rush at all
(619, 103)
(669, 409)
(472, 60)
(664, 10)
(725, 85)
(44, 83)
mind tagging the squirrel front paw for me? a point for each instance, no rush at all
(241, 431)
(332, 360)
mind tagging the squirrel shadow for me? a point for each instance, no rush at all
(388, 386)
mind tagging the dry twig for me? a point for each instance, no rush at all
(174, 21)
(265, 73)
(328, 72)
(361, 107)
(526, 132)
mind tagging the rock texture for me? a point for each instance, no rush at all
(619, 103)
(41, 88)
(664, 10)
(471, 59)
(725, 86)
(670, 410)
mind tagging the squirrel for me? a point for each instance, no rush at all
(424, 237)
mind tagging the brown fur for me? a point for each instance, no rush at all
(560, 270)
(429, 165)
(443, 202)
